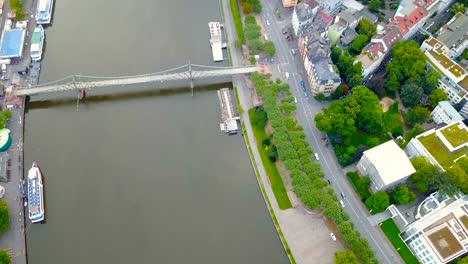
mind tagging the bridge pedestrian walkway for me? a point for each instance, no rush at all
(91, 82)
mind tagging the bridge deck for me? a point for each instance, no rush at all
(187, 75)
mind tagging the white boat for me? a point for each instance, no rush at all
(35, 194)
(44, 12)
(37, 43)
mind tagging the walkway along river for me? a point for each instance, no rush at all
(147, 179)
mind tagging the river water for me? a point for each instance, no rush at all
(146, 177)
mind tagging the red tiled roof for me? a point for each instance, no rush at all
(375, 48)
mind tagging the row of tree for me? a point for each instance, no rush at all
(295, 152)
(253, 32)
(251, 5)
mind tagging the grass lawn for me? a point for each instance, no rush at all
(276, 182)
(439, 152)
(455, 135)
(265, 196)
(237, 20)
(362, 191)
(392, 232)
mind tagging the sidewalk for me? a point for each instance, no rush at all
(305, 233)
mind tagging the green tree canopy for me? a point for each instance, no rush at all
(256, 46)
(462, 260)
(429, 178)
(458, 7)
(430, 81)
(358, 43)
(436, 96)
(269, 48)
(366, 27)
(4, 257)
(257, 6)
(416, 130)
(411, 94)
(417, 115)
(378, 202)
(249, 19)
(408, 60)
(392, 82)
(458, 177)
(345, 257)
(375, 5)
(4, 217)
(403, 195)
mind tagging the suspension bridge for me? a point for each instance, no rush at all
(82, 83)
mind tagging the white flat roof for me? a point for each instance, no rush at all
(217, 51)
(391, 162)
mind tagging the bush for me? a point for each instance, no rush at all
(4, 217)
(4, 257)
(378, 202)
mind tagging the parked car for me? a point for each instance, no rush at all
(343, 196)
(333, 237)
(268, 22)
(342, 203)
(316, 156)
(295, 99)
(302, 83)
(306, 94)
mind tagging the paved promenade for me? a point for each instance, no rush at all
(14, 238)
(306, 233)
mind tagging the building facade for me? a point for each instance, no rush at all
(445, 113)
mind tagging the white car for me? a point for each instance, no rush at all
(342, 203)
(295, 100)
(333, 237)
(316, 156)
(268, 22)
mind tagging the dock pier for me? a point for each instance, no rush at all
(228, 117)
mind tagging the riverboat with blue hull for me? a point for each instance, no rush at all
(44, 12)
(35, 194)
(37, 43)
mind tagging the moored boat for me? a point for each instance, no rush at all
(37, 43)
(35, 194)
(44, 12)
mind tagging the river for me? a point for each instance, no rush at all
(146, 177)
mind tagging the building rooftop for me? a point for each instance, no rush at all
(305, 10)
(390, 161)
(348, 36)
(441, 223)
(439, 147)
(11, 43)
(456, 31)
(318, 52)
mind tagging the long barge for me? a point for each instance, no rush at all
(35, 194)
(216, 41)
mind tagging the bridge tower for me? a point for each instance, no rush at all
(192, 85)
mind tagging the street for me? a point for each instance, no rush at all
(307, 108)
